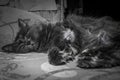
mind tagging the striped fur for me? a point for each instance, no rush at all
(93, 42)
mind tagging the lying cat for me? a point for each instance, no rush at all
(93, 42)
(45, 38)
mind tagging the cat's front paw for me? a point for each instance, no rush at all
(95, 62)
(83, 64)
(55, 58)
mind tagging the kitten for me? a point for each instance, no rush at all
(93, 42)
(47, 38)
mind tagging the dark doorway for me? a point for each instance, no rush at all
(102, 8)
(74, 6)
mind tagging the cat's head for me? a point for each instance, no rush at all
(20, 37)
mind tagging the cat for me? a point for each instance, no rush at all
(43, 38)
(92, 42)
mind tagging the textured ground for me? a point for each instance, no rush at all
(35, 66)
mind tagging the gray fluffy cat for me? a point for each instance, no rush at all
(93, 42)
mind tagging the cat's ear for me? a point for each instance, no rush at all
(22, 23)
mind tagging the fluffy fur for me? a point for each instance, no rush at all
(95, 41)
(100, 41)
